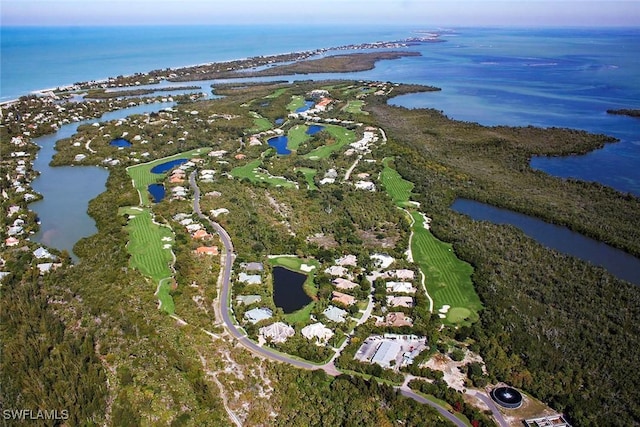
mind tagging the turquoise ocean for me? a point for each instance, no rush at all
(494, 76)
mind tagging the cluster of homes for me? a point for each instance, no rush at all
(386, 350)
(197, 232)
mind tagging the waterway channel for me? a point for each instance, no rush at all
(67, 190)
(616, 261)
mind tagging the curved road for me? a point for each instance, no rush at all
(226, 290)
(256, 349)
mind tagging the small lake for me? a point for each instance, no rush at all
(306, 106)
(616, 261)
(167, 166)
(313, 129)
(280, 144)
(279, 121)
(120, 142)
(288, 293)
(157, 192)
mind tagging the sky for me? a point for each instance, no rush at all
(380, 12)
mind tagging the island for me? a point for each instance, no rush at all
(287, 252)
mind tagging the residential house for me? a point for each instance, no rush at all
(321, 333)
(42, 253)
(395, 301)
(347, 260)
(343, 298)
(250, 279)
(396, 319)
(401, 287)
(11, 241)
(248, 299)
(207, 250)
(277, 332)
(253, 266)
(257, 314)
(335, 314)
(341, 283)
(403, 274)
(336, 270)
(201, 234)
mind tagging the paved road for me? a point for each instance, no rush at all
(491, 404)
(406, 391)
(226, 290)
(252, 346)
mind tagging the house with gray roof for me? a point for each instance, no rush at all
(42, 253)
(253, 266)
(250, 279)
(335, 314)
(278, 332)
(248, 299)
(257, 314)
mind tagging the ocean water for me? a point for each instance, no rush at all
(519, 77)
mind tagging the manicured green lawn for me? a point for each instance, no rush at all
(448, 279)
(341, 135)
(302, 315)
(260, 123)
(250, 172)
(309, 174)
(297, 101)
(398, 188)
(355, 107)
(148, 252)
(142, 176)
(296, 136)
(276, 94)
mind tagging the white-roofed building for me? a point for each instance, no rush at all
(403, 274)
(386, 353)
(382, 260)
(277, 332)
(321, 333)
(336, 270)
(401, 287)
(250, 279)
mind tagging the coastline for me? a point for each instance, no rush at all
(244, 63)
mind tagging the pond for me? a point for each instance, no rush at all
(616, 261)
(279, 121)
(288, 293)
(157, 192)
(120, 142)
(313, 129)
(167, 166)
(280, 144)
(67, 190)
(307, 105)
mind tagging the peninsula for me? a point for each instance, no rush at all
(404, 309)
